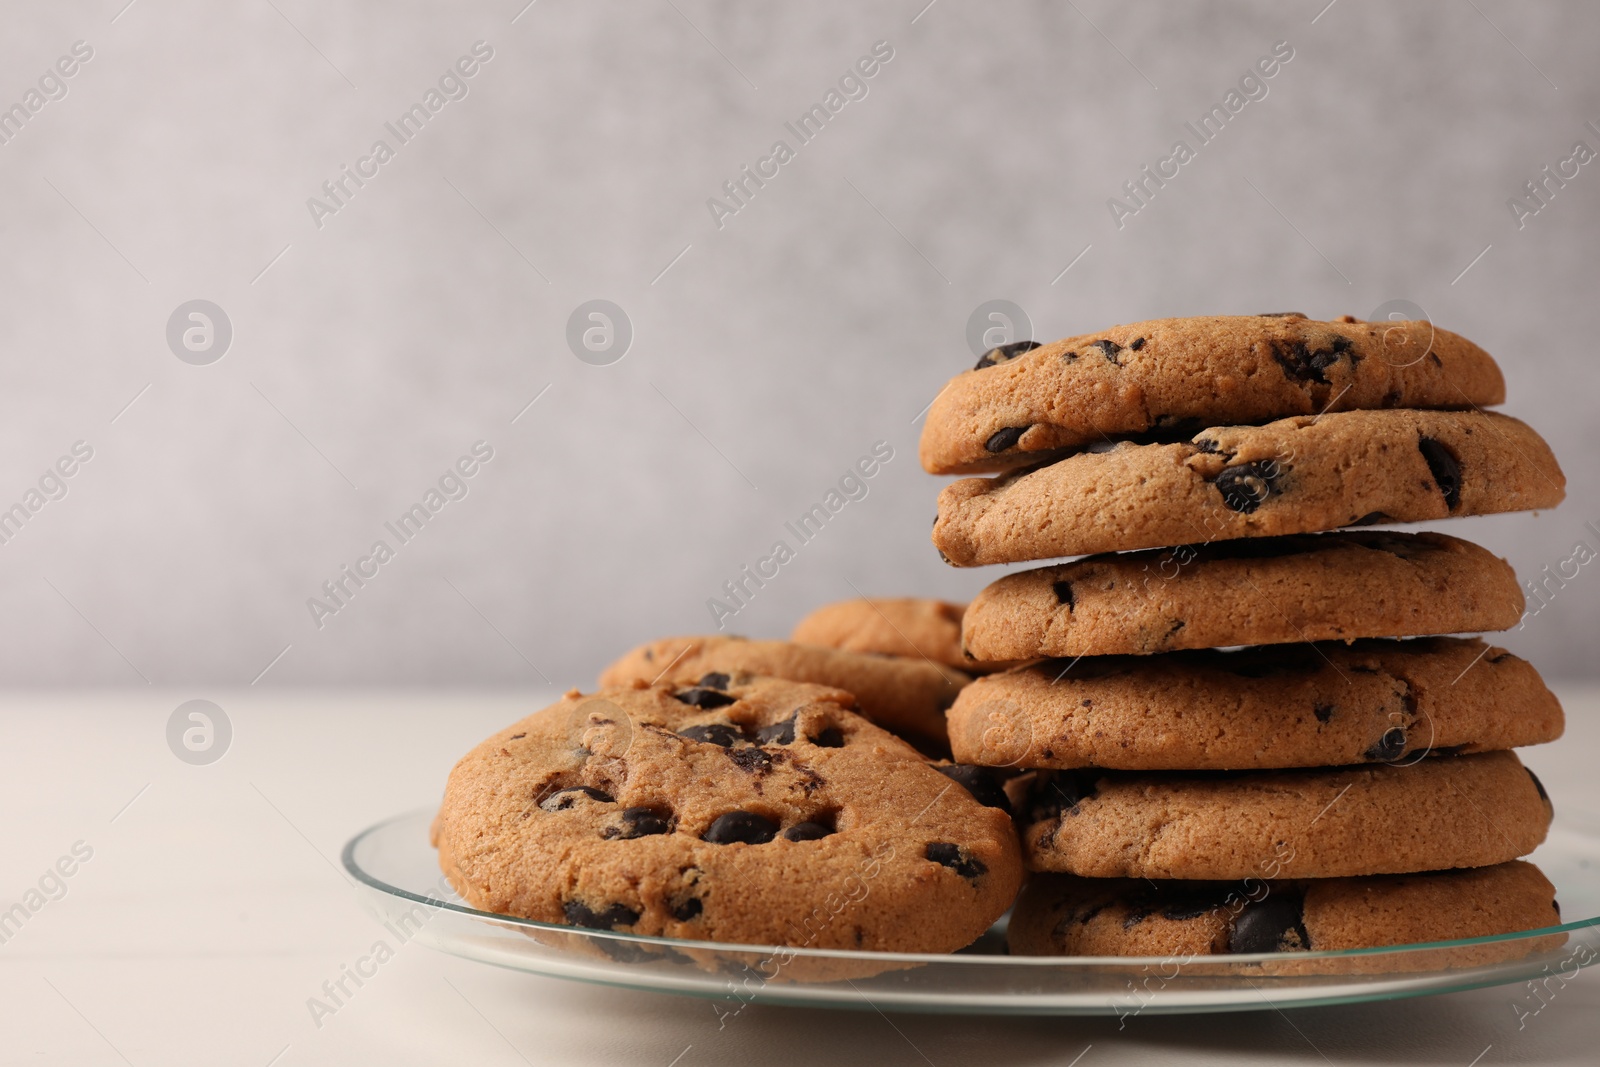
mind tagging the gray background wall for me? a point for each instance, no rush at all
(369, 353)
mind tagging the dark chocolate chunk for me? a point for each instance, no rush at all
(780, 733)
(1280, 315)
(516, 737)
(563, 799)
(580, 914)
(714, 680)
(644, 822)
(806, 831)
(712, 733)
(1371, 518)
(1136, 344)
(1004, 353)
(956, 858)
(1275, 923)
(1109, 349)
(1539, 786)
(828, 737)
(1390, 746)
(1324, 712)
(705, 698)
(1303, 363)
(687, 909)
(1064, 594)
(1248, 485)
(740, 826)
(982, 782)
(1004, 439)
(751, 759)
(1445, 468)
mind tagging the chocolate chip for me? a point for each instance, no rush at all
(1109, 349)
(1445, 468)
(1004, 439)
(1064, 594)
(1371, 518)
(1273, 924)
(1280, 315)
(781, 733)
(740, 826)
(644, 822)
(1390, 746)
(1247, 486)
(806, 831)
(1539, 786)
(705, 698)
(1324, 712)
(996, 356)
(956, 858)
(712, 733)
(1306, 364)
(714, 680)
(982, 782)
(580, 914)
(1136, 344)
(687, 909)
(751, 759)
(828, 737)
(563, 799)
(516, 737)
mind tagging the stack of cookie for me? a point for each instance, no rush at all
(1345, 782)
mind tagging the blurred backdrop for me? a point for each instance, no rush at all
(258, 340)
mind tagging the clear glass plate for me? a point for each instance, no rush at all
(401, 885)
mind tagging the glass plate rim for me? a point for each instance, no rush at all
(371, 881)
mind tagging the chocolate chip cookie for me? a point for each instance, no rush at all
(906, 695)
(1437, 813)
(912, 627)
(1272, 706)
(1062, 915)
(753, 811)
(1296, 475)
(1338, 586)
(1027, 401)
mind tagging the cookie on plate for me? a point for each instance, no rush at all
(1062, 915)
(1337, 586)
(763, 811)
(1025, 401)
(1297, 475)
(908, 696)
(1432, 814)
(1270, 706)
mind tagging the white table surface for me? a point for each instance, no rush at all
(212, 909)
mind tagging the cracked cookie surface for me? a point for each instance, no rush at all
(1027, 401)
(739, 809)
